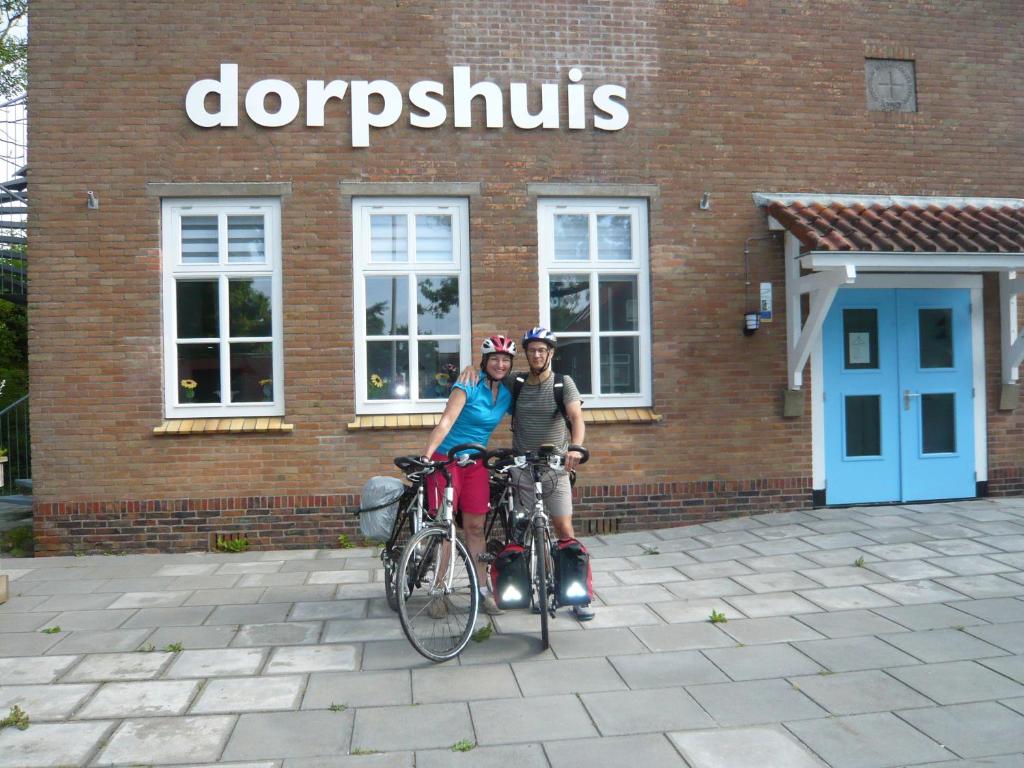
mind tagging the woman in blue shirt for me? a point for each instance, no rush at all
(472, 413)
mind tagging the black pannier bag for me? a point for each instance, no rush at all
(574, 584)
(378, 506)
(510, 577)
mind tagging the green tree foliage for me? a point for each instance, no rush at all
(13, 352)
(13, 47)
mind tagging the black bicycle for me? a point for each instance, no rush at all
(531, 527)
(439, 603)
(412, 513)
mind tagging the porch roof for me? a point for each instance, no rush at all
(898, 224)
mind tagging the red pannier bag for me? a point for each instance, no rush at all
(510, 577)
(574, 582)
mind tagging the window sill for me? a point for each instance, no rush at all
(396, 421)
(222, 426)
(621, 416)
(429, 420)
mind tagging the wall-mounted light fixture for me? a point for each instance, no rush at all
(91, 201)
(751, 317)
(705, 201)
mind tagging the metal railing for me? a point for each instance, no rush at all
(14, 200)
(14, 436)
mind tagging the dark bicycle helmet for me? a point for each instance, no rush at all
(539, 333)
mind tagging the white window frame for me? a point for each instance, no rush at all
(172, 211)
(637, 265)
(362, 209)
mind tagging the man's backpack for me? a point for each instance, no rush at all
(559, 389)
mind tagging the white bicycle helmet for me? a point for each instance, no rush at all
(498, 343)
(539, 333)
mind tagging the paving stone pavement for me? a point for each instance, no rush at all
(866, 637)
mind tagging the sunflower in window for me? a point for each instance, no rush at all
(188, 387)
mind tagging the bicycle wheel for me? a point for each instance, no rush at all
(541, 573)
(439, 613)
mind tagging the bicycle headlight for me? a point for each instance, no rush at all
(575, 590)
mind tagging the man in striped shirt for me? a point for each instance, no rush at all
(539, 421)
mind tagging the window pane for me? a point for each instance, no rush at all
(387, 363)
(863, 425)
(935, 327)
(573, 358)
(198, 239)
(860, 338)
(439, 367)
(389, 238)
(572, 238)
(938, 423)
(620, 365)
(252, 372)
(198, 373)
(614, 241)
(438, 309)
(570, 303)
(197, 309)
(246, 240)
(250, 309)
(434, 238)
(387, 306)
(618, 302)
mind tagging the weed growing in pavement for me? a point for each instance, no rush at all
(482, 634)
(338, 707)
(859, 562)
(17, 717)
(463, 746)
(231, 543)
(50, 630)
(174, 648)
(17, 542)
(147, 648)
(344, 542)
(361, 751)
(716, 617)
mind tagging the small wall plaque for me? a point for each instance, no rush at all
(891, 85)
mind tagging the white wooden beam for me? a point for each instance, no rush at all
(802, 337)
(1012, 342)
(794, 310)
(833, 277)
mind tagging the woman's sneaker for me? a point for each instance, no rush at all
(489, 606)
(583, 612)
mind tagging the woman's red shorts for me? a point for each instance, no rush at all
(470, 484)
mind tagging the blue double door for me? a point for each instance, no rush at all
(898, 396)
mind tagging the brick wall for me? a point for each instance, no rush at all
(728, 98)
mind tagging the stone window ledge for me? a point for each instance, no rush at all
(222, 426)
(429, 420)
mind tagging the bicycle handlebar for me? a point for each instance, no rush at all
(500, 458)
(412, 465)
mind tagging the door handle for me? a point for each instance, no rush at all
(907, 394)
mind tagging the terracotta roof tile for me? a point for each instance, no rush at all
(929, 227)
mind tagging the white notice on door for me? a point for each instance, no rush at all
(859, 348)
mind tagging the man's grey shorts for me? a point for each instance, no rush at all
(557, 494)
